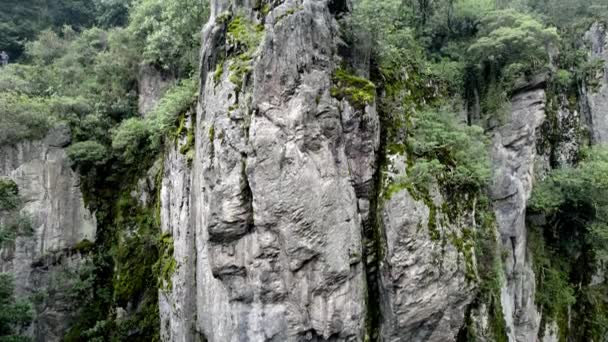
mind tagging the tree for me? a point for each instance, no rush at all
(169, 31)
(508, 38)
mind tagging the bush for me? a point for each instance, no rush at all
(22, 117)
(87, 153)
(129, 139)
(9, 194)
(177, 100)
(453, 153)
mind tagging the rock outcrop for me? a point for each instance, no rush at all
(279, 187)
(514, 157)
(52, 199)
(425, 291)
(594, 92)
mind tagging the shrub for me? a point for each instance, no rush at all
(87, 153)
(453, 153)
(129, 139)
(22, 117)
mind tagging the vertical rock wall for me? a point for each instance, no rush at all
(53, 200)
(279, 190)
(594, 92)
(425, 291)
(514, 157)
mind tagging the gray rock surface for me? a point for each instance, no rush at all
(424, 285)
(178, 304)
(595, 96)
(279, 190)
(53, 200)
(152, 85)
(514, 155)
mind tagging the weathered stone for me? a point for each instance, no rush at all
(424, 290)
(514, 155)
(595, 97)
(280, 171)
(152, 85)
(53, 200)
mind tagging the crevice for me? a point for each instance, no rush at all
(373, 243)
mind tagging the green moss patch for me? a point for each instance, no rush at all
(357, 90)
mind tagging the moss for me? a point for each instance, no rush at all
(188, 147)
(219, 72)
(265, 9)
(245, 36)
(434, 233)
(357, 90)
(212, 134)
(166, 264)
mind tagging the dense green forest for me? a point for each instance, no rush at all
(76, 63)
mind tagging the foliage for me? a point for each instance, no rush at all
(22, 117)
(129, 139)
(87, 153)
(453, 153)
(136, 136)
(358, 90)
(574, 242)
(21, 21)
(9, 194)
(14, 225)
(507, 38)
(15, 314)
(169, 31)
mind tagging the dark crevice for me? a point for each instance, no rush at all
(373, 246)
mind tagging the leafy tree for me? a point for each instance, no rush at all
(169, 31)
(21, 21)
(508, 38)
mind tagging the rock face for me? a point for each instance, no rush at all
(53, 200)
(595, 96)
(425, 292)
(514, 156)
(178, 305)
(270, 219)
(152, 85)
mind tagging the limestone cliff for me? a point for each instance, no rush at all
(41, 262)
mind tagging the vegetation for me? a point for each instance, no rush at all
(245, 36)
(571, 247)
(169, 32)
(15, 314)
(441, 72)
(359, 91)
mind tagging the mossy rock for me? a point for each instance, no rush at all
(357, 90)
